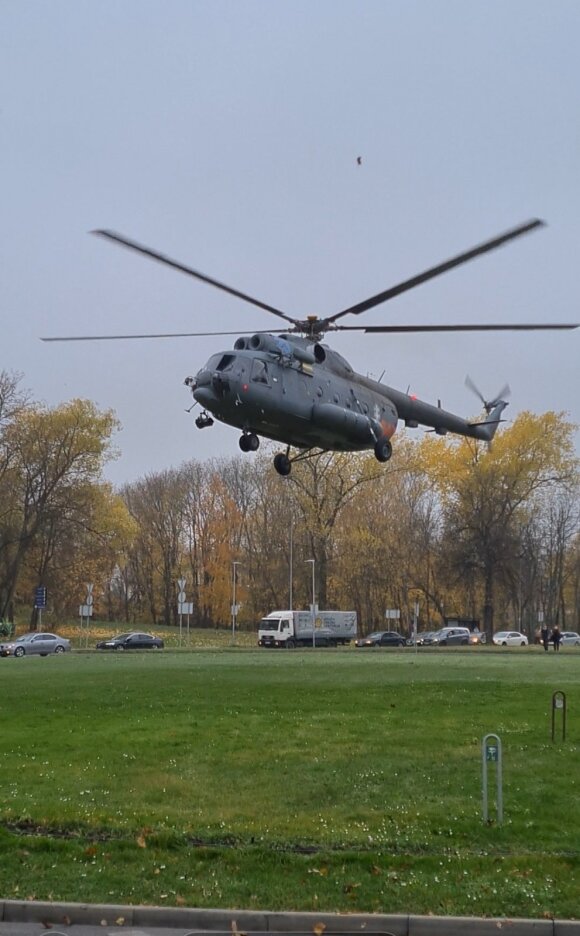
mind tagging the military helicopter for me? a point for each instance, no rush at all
(293, 389)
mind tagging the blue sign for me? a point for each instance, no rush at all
(40, 596)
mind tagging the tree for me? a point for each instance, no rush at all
(488, 492)
(322, 486)
(47, 455)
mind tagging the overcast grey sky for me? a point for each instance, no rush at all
(226, 134)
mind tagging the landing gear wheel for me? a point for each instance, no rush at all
(249, 442)
(282, 464)
(383, 450)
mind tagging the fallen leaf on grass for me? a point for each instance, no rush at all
(141, 841)
(349, 888)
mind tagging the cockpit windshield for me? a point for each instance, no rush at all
(270, 624)
(220, 362)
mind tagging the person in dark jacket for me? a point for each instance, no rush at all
(556, 637)
(545, 635)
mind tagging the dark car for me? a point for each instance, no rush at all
(133, 641)
(419, 639)
(381, 639)
(448, 636)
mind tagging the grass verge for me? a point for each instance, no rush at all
(331, 781)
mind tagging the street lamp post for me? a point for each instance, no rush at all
(290, 590)
(313, 561)
(234, 605)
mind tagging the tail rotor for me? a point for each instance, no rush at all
(488, 405)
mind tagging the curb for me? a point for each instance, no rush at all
(227, 922)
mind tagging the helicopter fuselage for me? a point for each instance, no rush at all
(308, 396)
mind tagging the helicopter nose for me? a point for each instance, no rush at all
(220, 384)
(203, 378)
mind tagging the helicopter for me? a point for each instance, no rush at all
(292, 388)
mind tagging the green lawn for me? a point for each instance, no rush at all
(334, 780)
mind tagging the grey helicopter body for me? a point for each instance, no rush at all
(294, 389)
(306, 395)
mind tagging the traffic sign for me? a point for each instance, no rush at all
(40, 597)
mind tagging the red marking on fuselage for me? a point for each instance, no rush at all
(388, 428)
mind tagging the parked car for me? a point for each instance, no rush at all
(477, 637)
(570, 639)
(132, 641)
(35, 643)
(381, 639)
(420, 638)
(447, 637)
(510, 639)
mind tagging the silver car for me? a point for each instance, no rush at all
(570, 639)
(37, 643)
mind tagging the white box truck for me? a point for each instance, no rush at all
(294, 629)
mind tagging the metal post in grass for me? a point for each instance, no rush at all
(558, 705)
(491, 753)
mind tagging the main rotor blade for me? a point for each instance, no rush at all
(162, 258)
(437, 270)
(164, 335)
(401, 329)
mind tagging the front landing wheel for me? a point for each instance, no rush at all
(282, 464)
(383, 450)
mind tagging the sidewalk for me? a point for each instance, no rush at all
(33, 918)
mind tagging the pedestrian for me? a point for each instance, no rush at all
(544, 633)
(556, 637)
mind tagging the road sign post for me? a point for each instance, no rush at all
(40, 602)
(181, 599)
(86, 611)
(491, 753)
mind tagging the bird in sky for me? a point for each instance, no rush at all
(359, 160)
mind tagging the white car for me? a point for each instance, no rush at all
(570, 639)
(510, 639)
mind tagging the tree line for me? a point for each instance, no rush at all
(453, 526)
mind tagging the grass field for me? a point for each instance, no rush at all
(336, 780)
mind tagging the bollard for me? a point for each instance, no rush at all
(491, 752)
(559, 704)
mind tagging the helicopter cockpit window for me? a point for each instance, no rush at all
(226, 362)
(260, 371)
